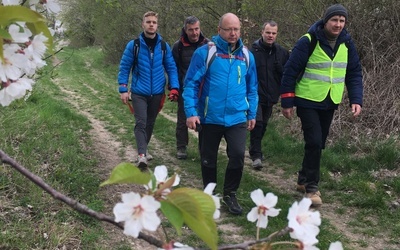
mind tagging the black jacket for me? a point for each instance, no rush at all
(183, 51)
(270, 62)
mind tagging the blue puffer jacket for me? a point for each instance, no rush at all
(229, 93)
(148, 77)
(298, 60)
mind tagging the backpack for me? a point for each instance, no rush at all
(136, 47)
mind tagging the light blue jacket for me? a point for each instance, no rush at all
(148, 77)
(225, 93)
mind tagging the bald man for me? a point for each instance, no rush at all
(221, 97)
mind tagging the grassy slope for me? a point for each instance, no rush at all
(48, 137)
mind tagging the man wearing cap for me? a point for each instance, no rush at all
(321, 64)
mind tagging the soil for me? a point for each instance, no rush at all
(108, 149)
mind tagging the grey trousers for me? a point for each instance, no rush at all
(146, 110)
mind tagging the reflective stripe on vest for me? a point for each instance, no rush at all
(323, 75)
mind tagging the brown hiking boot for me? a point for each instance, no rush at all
(315, 198)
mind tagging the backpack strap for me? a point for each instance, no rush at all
(212, 51)
(136, 46)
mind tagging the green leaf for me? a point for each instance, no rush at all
(197, 209)
(127, 173)
(173, 214)
(4, 34)
(34, 21)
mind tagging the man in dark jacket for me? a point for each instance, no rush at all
(270, 59)
(191, 38)
(313, 80)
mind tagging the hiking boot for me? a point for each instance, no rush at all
(142, 162)
(232, 204)
(315, 198)
(181, 154)
(149, 157)
(257, 164)
(301, 188)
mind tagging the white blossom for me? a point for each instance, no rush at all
(304, 222)
(10, 2)
(336, 246)
(265, 207)
(52, 6)
(209, 190)
(15, 90)
(137, 213)
(12, 63)
(161, 176)
(19, 32)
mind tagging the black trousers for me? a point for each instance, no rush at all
(264, 112)
(315, 124)
(181, 132)
(209, 139)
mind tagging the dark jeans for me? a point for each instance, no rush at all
(264, 112)
(146, 111)
(315, 124)
(210, 138)
(182, 135)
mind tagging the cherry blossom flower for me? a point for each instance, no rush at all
(10, 2)
(10, 66)
(265, 207)
(52, 5)
(175, 246)
(15, 90)
(304, 222)
(209, 190)
(336, 246)
(161, 176)
(17, 35)
(137, 213)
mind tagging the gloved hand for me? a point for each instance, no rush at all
(173, 95)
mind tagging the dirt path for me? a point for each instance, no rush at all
(108, 149)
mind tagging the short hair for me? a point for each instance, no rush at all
(271, 23)
(190, 20)
(150, 13)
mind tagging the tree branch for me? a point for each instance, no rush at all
(70, 202)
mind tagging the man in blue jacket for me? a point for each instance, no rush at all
(322, 63)
(220, 95)
(148, 81)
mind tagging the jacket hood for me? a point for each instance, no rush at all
(224, 45)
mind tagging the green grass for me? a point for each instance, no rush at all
(49, 137)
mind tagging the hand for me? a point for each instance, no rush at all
(288, 113)
(192, 121)
(355, 109)
(251, 124)
(173, 95)
(125, 97)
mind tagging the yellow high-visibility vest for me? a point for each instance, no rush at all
(323, 75)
